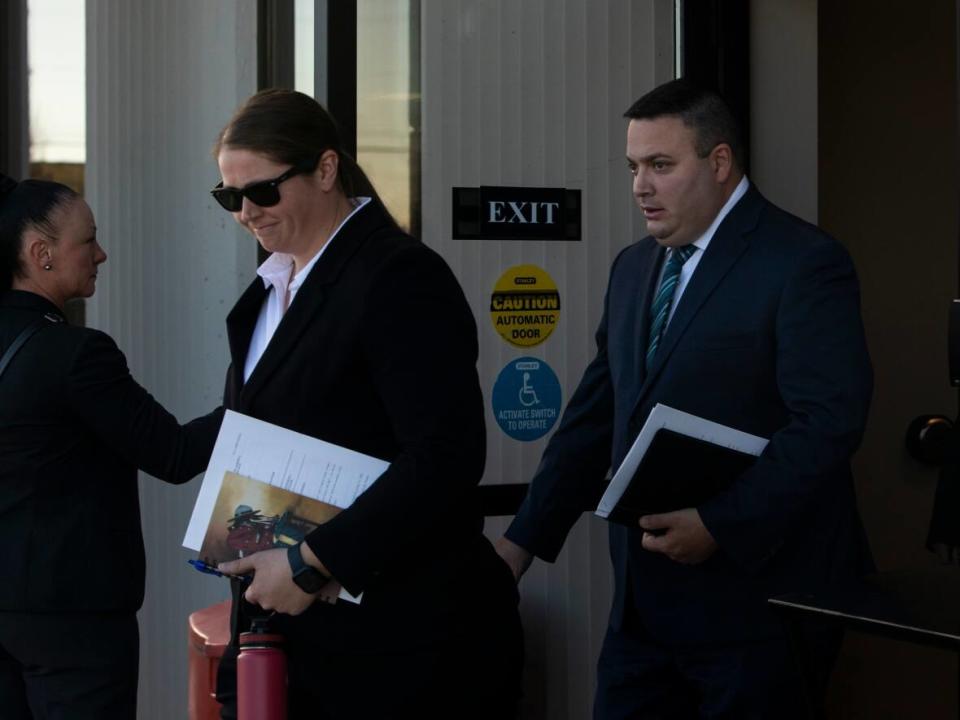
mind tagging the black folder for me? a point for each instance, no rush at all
(677, 472)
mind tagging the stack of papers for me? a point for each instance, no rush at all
(677, 461)
(268, 487)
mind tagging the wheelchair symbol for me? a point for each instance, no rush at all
(528, 395)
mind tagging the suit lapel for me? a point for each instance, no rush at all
(240, 323)
(726, 247)
(310, 297)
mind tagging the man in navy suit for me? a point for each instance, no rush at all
(740, 313)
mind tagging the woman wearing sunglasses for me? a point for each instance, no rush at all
(358, 334)
(74, 428)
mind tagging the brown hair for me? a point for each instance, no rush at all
(291, 128)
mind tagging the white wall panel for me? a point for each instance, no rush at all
(162, 79)
(532, 93)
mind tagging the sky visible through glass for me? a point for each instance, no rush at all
(55, 55)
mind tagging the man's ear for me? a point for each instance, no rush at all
(327, 169)
(721, 162)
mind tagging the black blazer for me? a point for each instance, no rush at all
(766, 338)
(377, 353)
(74, 428)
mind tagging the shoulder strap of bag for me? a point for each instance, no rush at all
(28, 332)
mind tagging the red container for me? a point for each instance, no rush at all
(261, 676)
(208, 635)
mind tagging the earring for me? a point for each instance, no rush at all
(48, 266)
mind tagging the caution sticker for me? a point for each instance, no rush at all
(526, 399)
(525, 306)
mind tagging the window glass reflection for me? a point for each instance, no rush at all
(56, 47)
(303, 44)
(388, 103)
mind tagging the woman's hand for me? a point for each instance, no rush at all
(273, 587)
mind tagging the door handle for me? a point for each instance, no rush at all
(932, 439)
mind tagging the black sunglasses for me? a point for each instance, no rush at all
(265, 193)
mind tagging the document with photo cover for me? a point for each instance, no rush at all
(266, 486)
(678, 461)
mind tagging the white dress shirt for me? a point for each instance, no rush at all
(277, 274)
(686, 271)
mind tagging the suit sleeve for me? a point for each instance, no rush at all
(105, 398)
(573, 466)
(825, 380)
(421, 353)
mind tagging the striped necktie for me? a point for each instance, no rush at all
(660, 310)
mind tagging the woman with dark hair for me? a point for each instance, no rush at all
(358, 334)
(74, 428)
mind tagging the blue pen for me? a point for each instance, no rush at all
(209, 569)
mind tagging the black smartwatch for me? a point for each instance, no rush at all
(307, 578)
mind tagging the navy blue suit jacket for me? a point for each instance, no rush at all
(767, 338)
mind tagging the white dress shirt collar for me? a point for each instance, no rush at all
(738, 192)
(282, 286)
(276, 270)
(701, 243)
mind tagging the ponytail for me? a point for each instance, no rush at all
(24, 205)
(355, 183)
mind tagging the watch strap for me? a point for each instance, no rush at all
(307, 577)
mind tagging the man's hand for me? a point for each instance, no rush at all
(272, 587)
(516, 558)
(684, 537)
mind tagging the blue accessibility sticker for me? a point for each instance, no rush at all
(526, 399)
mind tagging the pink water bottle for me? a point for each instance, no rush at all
(261, 675)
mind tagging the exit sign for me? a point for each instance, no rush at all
(516, 213)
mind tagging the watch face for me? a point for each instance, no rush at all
(309, 579)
